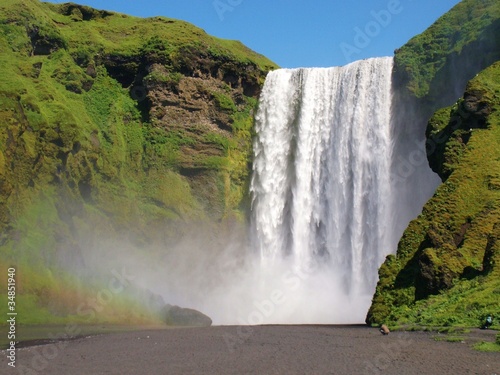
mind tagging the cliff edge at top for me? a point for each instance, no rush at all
(435, 65)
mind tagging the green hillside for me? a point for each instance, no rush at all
(446, 270)
(129, 132)
(435, 65)
(114, 127)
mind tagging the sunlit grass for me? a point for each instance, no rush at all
(465, 206)
(80, 158)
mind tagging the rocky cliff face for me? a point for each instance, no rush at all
(445, 270)
(138, 131)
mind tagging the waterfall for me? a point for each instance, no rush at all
(322, 197)
(339, 170)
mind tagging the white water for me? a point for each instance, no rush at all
(322, 199)
(331, 197)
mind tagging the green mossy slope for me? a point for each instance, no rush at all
(84, 152)
(447, 267)
(435, 65)
(443, 272)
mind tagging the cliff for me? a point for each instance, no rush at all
(114, 127)
(435, 66)
(118, 131)
(446, 268)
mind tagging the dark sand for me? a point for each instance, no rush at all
(258, 350)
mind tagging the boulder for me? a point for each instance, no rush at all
(184, 317)
(384, 329)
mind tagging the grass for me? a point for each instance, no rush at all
(117, 145)
(50, 296)
(446, 270)
(487, 347)
(82, 157)
(429, 55)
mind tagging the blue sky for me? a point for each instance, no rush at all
(299, 33)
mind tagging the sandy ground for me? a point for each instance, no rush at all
(257, 350)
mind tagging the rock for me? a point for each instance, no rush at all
(384, 329)
(184, 317)
(155, 303)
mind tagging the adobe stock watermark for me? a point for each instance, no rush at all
(87, 309)
(391, 351)
(363, 36)
(223, 6)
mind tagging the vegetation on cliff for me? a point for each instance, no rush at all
(447, 267)
(445, 271)
(435, 65)
(113, 127)
(140, 129)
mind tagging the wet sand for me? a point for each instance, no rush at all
(258, 350)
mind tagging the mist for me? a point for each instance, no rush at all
(340, 169)
(231, 285)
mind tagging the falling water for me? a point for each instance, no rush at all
(339, 170)
(321, 186)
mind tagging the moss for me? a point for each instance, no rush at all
(224, 102)
(487, 347)
(445, 272)
(2, 164)
(470, 24)
(80, 156)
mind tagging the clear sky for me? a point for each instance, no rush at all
(299, 33)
